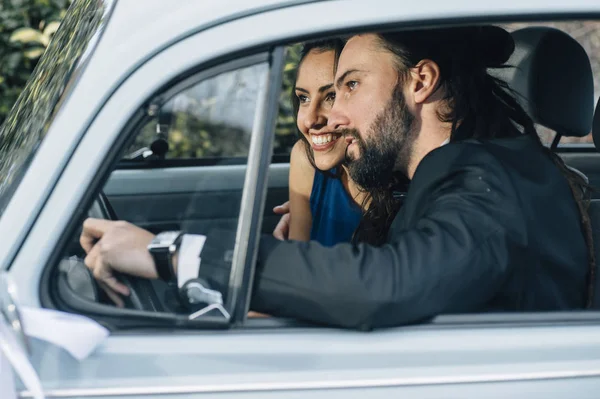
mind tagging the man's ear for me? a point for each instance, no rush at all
(425, 79)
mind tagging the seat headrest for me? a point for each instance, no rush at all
(553, 79)
(596, 126)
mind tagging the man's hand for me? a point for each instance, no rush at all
(255, 315)
(282, 229)
(116, 246)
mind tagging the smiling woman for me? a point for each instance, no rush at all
(324, 201)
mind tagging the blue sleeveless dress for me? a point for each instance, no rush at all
(335, 215)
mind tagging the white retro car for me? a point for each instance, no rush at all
(171, 114)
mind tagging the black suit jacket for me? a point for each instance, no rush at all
(485, 226)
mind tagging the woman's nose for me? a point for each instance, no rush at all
(315, 118)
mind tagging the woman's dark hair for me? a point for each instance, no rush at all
(318, 46)
(484, 107)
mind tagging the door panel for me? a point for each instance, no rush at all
(195, 199)
(413, 362)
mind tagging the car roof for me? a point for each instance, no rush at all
(133, 31)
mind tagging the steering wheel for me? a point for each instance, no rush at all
(142, 294)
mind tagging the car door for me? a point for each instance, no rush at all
(516, 356)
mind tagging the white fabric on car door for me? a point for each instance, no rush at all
(77, 334)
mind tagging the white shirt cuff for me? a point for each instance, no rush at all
(188, 258)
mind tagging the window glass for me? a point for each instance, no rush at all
(211, 120)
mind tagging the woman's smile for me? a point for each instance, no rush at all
(323, 141)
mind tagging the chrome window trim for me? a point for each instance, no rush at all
(316, 385)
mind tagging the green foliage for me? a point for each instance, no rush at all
(26, 27)
(285, 131)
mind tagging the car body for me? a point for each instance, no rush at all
(138, 51)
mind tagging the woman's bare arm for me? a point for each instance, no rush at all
(302, 175)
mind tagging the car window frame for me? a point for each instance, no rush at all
(396, 25)
(246, 219)
(244, 275)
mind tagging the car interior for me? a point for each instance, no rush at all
(552, 77)
(565, 106)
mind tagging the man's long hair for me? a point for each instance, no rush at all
(484, 107)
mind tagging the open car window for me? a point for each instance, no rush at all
(211, 117)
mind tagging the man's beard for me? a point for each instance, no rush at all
(388, 147)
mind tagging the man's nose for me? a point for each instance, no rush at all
(337, 117)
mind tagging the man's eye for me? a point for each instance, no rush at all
(330, 97)
(352, 85)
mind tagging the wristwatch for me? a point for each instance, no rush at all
(162, 248)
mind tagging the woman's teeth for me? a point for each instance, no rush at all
(323, 139)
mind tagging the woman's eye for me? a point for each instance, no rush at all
(352, 85)
(302, 98)
(330, 97)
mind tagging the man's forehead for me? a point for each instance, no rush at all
(362, 42)
(361, 52)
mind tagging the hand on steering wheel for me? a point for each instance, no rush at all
(116, 246)
(116, 250)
